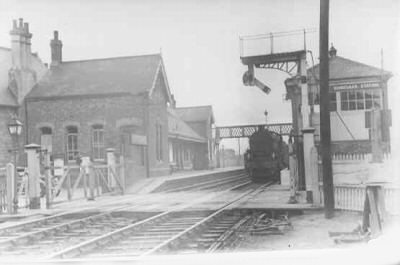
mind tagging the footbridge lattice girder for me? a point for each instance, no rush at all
(241, 131)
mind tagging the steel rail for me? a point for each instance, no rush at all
(221, 240)
(103, 239)
(210, 182)
(208, 218)
(22, 225)
(58, 227)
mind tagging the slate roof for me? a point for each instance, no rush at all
(133, 74)
(180, 130)
(195, 114)
(342, 68)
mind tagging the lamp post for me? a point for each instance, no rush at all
(266, 116)
(15, 129)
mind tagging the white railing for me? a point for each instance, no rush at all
(356, 157)
(351, 198)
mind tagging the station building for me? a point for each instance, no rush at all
(355, 88)
(82, 108)
(201, 120)
(186, 147)
(20, 70)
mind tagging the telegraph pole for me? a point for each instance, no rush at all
(325, 118)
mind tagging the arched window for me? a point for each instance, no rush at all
(46, 130)
(98, 150)
(46, 139)
(72, 143)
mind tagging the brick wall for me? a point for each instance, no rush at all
(83, 113)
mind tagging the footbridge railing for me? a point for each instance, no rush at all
(240, 131)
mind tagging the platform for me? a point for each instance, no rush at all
(145, 186)
(136, 193)
(277, 197)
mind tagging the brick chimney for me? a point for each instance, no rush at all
(20, 45)
(21, 76)
(56, 50)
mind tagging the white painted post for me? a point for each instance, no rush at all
(33, 175)
(85, 165)
(308, 144)
(92, 182)
(305, 108)
(314, 175)
(59, 173)
(10, 173)
(122, 173)
(47, 176)
(111, 167)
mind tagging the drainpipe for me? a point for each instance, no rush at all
(147, 127)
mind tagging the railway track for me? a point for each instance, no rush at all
(218, 184)
(166, 232)
(118, 230)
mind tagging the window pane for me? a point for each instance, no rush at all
(360, 95)
(75, 142)
(368, 104)
(360, 104)
(98, 151)
(368, 95)
(352, 105)
(352, 95)
(344, 105)
(343, 95)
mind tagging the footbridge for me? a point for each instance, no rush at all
(240, 131)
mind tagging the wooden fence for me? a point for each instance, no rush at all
(356, 157)
(351, 198)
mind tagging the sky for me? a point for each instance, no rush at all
(199, 42)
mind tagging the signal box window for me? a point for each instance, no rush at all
(359, 100)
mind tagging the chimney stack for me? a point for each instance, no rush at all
(56, 50)
(20, 45)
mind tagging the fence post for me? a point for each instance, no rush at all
(122, 173)
(110, 167)
(69, 193)
(314, 175)
(47, 178)
(308, 143)
(34, 175)
(84, 169)
(97, 184)
(10, 170)
(89, 172)
(58, 174)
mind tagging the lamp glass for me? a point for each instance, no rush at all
(15, 127)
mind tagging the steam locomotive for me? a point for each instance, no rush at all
(266, 157)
